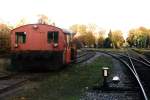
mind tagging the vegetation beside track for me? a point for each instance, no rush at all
(68, 84)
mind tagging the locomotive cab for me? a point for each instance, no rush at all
(71, 45)
(39, 46)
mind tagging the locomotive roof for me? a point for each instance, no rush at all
(64, 30)
(68, 31)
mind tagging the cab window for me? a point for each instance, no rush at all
(55, 37)
(52, 36)
(49, 37)
(21, 37)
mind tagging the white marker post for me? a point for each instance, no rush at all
(105, 72)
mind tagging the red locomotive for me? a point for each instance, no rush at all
(41, 45)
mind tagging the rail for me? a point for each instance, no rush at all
(133, 71)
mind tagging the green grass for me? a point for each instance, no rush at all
(68, 84)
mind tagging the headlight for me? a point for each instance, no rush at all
(16, 45)
(55, 44)
(35, 26)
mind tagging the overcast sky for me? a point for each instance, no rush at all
(114, 14)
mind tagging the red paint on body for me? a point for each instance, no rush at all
(36, 38)
(68, 56)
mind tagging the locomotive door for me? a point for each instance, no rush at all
(37, 41)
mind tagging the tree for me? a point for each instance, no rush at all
(130, 38)
(43, 19)
(92, 28)
(89, 38)
(100, 41)
(83, 35)
(74, 28)
(107, 43)
(100, 37)
(116, 38)
(4, 37)
(139, 37)
(21, 22)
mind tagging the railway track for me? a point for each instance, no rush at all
(140, 69)
(10, 82)
(14, 83)
(140, 56)
(84, 57)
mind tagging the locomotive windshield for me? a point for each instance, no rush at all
(20, 37)
(52, 36)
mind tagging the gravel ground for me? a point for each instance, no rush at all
(117, 70)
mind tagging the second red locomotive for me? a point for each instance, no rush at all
(41, 45)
